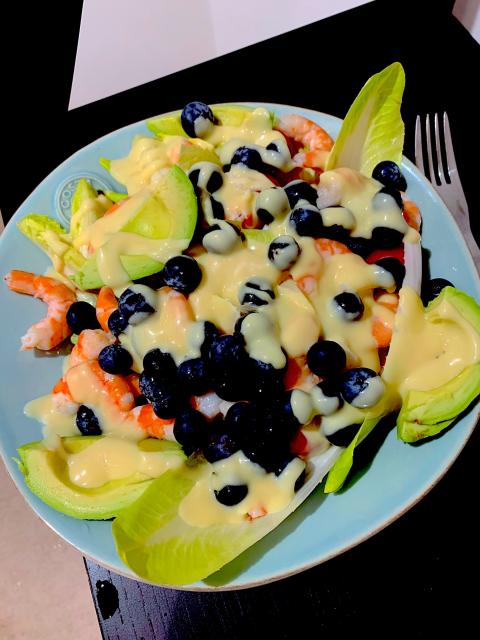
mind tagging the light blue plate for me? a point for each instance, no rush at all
(324, 526)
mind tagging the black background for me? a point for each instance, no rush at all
(419, 577)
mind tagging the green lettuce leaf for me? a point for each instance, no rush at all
(52, 238)
(373, 129)
(161, 547)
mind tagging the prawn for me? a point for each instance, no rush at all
(106, 305)
(145, 418)
(314, 139)
(411, 214)
(89, 344)
(53, 329)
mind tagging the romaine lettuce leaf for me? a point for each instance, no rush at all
(159, 546)
(373, 129)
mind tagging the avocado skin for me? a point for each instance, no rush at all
(46, 475)
(427, 413)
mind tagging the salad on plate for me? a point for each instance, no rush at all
(240, 318)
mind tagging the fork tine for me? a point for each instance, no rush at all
(451, 162)
(418, 145)
(429, 149)
(437, 147)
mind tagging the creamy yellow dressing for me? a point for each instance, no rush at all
(428, 350)
(267, 493)
(147, 156)
(357, 195)
(172, 329)
(55, 423)
(113, 458)
(216, 299)
(86, 389)
(349, 272)
(238, 193)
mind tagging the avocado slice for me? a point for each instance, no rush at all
(46, 475)
(87, 208)
(427, 412)
(229, 115)
(170, 213)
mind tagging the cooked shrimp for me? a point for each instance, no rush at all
(111, 388)
(53, 329)
(328, 248)
(106, 305)
(89, 344)
(145, 418)
(315, 140)
(62, 398)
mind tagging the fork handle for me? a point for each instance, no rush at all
(470, 240)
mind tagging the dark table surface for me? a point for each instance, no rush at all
(418, 577)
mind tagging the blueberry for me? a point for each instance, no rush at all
(231, 494)
(87, 422)
(154, 281)
(148, 385)
(182, 273)
(210, 332)
(266, 380)
(300, 190)
(389, 174)
(117, 323)
(218, 212)
(434, 287)
(307, 222)
(335, 232)
(115, 359)
(232, 386)
(81, 316)
(271, 203)
(160, 364)
(287, 415)
(215, 182)
(256, 292)
(282, 462)
(326, 358)
(222, 238)
(228, 352)
(386, 238)
(344, 436)
(283, 252)
(379, 200)
(189, 429)
(193, 176)
(133, 306)
(300, 481)
(197, 119)
(395, 267)
(239, 419)
(350, 305)
(166, 401)
(329, 389)
(249, 157)
(193, 376)
(361, 387)
(140, 400)
(220, 446)
(272, 147)
(361, 246)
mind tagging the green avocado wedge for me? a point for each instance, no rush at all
(46, 474)
(170, 213)
(171, 125)
(425, 413)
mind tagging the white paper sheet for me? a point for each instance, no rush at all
(125, 43)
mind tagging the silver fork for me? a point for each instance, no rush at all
(445, 180)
